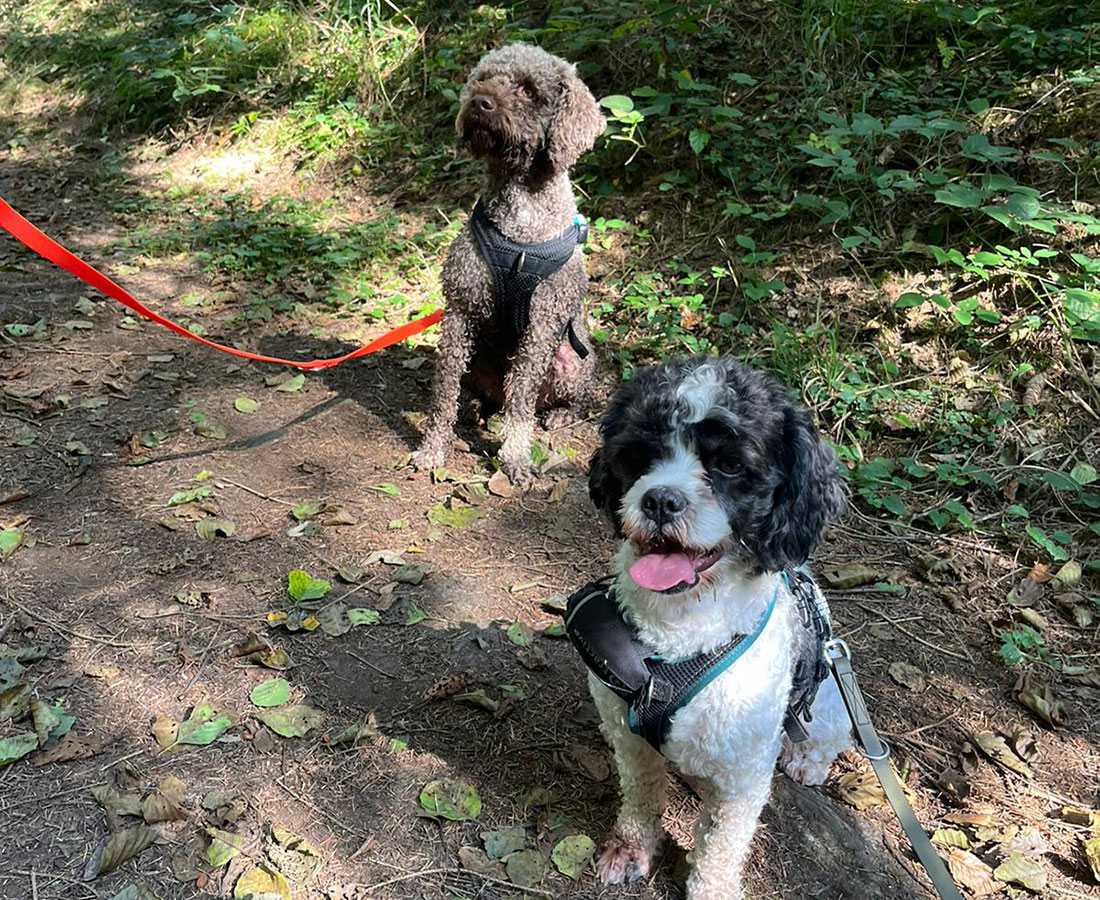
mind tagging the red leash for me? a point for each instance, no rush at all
(24, 231)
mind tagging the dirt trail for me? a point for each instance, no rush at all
(139, 616)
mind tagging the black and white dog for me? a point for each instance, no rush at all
(718, 484)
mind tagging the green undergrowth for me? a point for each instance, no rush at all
(892, 205)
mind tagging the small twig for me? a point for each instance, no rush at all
(253, 491)
(122, 759)
(367, 662)
(77, 634)
(874, 612)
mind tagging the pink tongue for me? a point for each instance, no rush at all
(661, 571)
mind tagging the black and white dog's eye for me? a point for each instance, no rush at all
(729, 469)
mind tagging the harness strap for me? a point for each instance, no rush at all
(518, 267)
(650, 717)
(653, 689)
(878, 752)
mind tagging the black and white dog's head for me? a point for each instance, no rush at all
(706, 463)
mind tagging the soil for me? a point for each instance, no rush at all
(97, 580)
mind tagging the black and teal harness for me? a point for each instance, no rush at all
(519, 267)
(655, 689)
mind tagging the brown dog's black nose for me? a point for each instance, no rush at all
(483, 103)
(663, 504)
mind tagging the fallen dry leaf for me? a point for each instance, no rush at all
(165, 802)
(970, 872)
(907, 676)
(499, 484)
(115, 849)
(849, 575)
(995, 747)
(859, 789)
(449, 685)
(72, 747)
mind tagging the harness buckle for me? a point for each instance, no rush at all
(517, 267)
(581, 224)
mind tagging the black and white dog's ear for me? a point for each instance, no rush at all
(576, 124)
(604, 488)
(810, 494)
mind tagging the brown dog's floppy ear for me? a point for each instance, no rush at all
(576, 125)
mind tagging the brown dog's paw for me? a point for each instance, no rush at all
(620, 861)
(560, 417)
(427, 457)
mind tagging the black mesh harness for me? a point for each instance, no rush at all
(519, 267)
(655, 689)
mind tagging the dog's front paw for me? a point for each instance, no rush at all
(429, 456)
(560, 417)
(806, 765)
(620, 861)
(520, 474)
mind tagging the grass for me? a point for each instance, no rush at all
(891, 205)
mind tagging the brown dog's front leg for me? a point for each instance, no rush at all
(521, 391)
(455, 347)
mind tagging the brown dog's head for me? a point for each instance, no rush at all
(523, 108)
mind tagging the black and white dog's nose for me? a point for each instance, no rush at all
(663, 504)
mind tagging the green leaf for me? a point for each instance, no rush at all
(499, 844)
(262, 883)
(526, 867)
(273, 692)
(459, 518)
(224, 845)
(204, 725)
(964, 196)
(364, 616)
(572, 854)
(307, 510)
(415, 615)
(246, 405)
(1083, 473)
(451, 799)
(303, 586)
(1040, 537)
(285, 382)
(10, 541)
(908, 300)
(17, 747)
(391, 490)
(519, 634)
(1060, 482)
(698, 140)
(291, 721)
(893, 503)
(181, 497)
(1022, 870)
(617, 103)
(209, 529)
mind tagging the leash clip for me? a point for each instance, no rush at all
(837, 648)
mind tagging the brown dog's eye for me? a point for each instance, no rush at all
(528, 90)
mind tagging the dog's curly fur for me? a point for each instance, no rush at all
(528, 116)
(744, 487)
